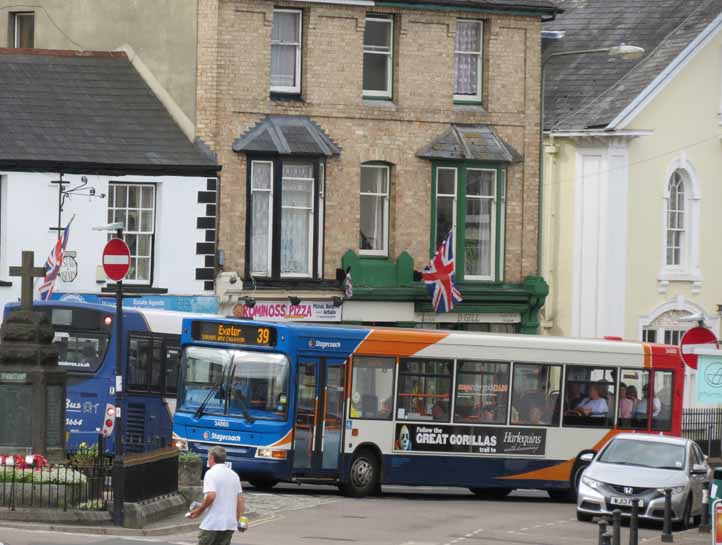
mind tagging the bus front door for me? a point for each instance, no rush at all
(318, 429)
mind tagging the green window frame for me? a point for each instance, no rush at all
(498, 208)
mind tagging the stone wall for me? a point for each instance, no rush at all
(233, 94)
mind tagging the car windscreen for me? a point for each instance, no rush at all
(652, 454)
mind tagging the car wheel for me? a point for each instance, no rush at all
(491, 493)
(364, 475)
(584, 517)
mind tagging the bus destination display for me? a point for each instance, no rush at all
(216, 332)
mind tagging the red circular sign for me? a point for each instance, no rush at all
(116, 259)
(697, 337)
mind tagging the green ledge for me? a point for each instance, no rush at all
(384, 279)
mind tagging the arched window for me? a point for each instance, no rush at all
(676, 221)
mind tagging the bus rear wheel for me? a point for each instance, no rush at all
(263, 484)
(364, 475)
(491, 493)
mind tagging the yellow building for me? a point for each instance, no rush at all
(632, 183)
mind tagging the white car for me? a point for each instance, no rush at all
(638, 466)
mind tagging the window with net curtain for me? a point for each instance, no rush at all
(676, 221)
(286, 51)
(479, 224)
(297, 219)
(374, 210)
(261, 217)
(467, 60)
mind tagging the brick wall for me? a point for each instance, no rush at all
(233, 94)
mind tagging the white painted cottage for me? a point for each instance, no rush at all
(90, 120)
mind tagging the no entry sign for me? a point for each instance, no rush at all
(116, 259)
(697, 337)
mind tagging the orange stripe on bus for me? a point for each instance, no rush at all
(558, 472)
(647, 355)
(394, 343)
(285, 440)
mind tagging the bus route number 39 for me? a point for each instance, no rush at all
(264, 335)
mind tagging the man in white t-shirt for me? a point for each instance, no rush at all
(223, 501)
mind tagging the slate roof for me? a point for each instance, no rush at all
(470, 142)
(545, 7)
(589, 91)
(87, 112)
(286, 135)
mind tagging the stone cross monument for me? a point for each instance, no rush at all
(32, 386)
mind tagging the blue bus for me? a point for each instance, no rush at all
(364, 406)
(85, 337)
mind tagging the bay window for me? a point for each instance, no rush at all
(378, 57)
(283, 237)
(286, 51)
(467, 61)
(374, 224)
(469, 200)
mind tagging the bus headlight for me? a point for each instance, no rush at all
(265, 452)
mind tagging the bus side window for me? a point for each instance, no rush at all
(156, 365)
(139, 359)
(633, 399)
(372, 388)
(590, 399)
(662, 401)
(482, 392)
(172, 363)
(424, 391)
(535, 395)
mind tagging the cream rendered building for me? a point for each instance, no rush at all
(632, 194)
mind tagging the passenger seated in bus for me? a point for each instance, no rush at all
(640, 409)
(440, 410)
(573, 395)
(626, 405)
(594, 405)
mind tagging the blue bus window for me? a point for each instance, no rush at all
(172, 362)
(139, 356)
(80, 352)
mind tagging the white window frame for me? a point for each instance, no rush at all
(385, 250)
(296, 88)
(112, 186)
(389, 20)
(311, 220)
(16, 30)
(493, 199)
(270, 221)
(689, 268)
(678, 177)
(455, 203)
(480, 65)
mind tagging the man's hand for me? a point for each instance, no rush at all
(195, 513)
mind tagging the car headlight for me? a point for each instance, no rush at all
(678, 489)
(591, 483)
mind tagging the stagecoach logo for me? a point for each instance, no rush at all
(205, 435)
(628, 490)
(315, 343)
(713, 375)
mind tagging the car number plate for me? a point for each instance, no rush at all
(625, 502)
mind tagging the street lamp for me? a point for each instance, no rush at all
(619, 52)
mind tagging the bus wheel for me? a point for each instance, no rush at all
(491, 493)
(262, 484)
(364, 475)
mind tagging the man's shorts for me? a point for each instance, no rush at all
(212, 537)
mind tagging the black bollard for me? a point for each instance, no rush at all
(704, 525)
(634, 523)
(667, 526)
(602, 530)
(606, 540)
(616, 527)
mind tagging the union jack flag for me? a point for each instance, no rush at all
(53, 264)
(439, 276)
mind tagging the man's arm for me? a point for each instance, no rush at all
(240, 506)
(205, 504)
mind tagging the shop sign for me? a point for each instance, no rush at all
(469, 439)
(274, 311)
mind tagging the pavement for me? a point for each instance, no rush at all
(293, 515)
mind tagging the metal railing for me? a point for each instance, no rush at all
(704, 425)
(61, 486)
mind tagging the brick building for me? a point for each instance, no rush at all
(354, 135)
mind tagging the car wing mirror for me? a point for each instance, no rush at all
(699, 469)
(587, 457)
